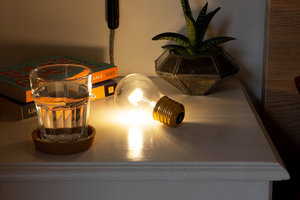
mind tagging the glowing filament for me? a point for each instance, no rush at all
(137, 96)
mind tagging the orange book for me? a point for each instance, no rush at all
(14, 80)
(19, 110)
(103, 89)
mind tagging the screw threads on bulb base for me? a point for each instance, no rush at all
(168, 112)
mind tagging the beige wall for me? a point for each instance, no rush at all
(33, 29)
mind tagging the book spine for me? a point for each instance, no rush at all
(10, 108)
(28, 110)
(104, 75)
(103, 91)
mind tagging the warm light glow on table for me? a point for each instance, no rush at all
(136, 127)
(135, 143)
(133, 117)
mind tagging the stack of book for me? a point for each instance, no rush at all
(15, 92)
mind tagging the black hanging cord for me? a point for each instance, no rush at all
(111, 46)
(113, 23)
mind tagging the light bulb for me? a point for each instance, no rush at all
(137, 92)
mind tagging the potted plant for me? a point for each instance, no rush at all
(194, 65)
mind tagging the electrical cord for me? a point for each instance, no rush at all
(111, 46)
(113, 23)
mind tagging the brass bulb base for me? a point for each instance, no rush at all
(168, 112)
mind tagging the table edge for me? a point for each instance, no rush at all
(143, 171)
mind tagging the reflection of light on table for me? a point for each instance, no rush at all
(135, 143)
(134, 117)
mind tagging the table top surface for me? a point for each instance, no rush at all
(220, 128)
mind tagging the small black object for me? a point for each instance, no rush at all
(113, 14)
(297, 81)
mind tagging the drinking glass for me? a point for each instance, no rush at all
(61, 93)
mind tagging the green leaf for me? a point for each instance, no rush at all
(175, 37)
(190, 22)
(202, 28)
(201, 15)
(215, 41)
(212, 51)
(176, 49)
(186, 9)
(209, 46)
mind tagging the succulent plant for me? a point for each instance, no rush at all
(194, 43)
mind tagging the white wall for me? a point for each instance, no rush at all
(32, 29)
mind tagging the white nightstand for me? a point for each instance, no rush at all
(221, 151)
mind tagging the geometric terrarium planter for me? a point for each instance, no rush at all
(193, 63)
(195, 75)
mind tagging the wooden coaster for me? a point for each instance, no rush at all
(64, 147)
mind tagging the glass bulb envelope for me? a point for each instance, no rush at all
(137, 92)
